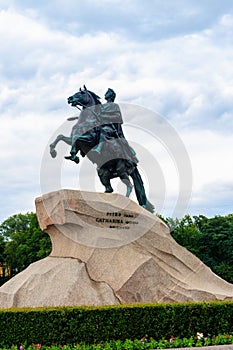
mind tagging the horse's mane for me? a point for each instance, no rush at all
(95, 97)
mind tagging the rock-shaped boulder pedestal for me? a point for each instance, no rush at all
(106, 249)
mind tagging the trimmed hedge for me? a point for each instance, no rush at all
(72, 325)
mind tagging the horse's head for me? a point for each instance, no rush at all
(84, 98)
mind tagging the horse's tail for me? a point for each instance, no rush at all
(149, 206)
(140, 191)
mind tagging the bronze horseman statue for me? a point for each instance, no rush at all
(98, 135)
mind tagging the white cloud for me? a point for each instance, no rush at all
(211, 157)
(186, 77)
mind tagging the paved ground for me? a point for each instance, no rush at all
(216, 347)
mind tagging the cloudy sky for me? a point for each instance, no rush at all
(172, 61)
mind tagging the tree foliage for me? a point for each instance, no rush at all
(216, 244)
(23, 242)
(210, 239)
(2, 248)
(185, 232)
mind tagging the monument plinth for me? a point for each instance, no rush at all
(106, 250)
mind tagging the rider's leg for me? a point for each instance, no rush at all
(100, 144)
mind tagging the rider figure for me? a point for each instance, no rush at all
(110, 114)
(109, 123)
(111, 118)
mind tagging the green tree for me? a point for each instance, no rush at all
(210, 239)
(216, 244)
(2, 248)
(24, 242)
(2, 256)
(185, 232)
(16, 223)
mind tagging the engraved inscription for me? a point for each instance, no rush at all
(118, 220)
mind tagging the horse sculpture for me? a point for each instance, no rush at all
(98, 135)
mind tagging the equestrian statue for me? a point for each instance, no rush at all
(98, 135)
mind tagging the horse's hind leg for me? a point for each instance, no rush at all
(105, 177)
(125, 179)
(122, 173)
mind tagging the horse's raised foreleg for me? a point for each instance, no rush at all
(66, 139)
(73, 153)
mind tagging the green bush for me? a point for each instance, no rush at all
(72, 325)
